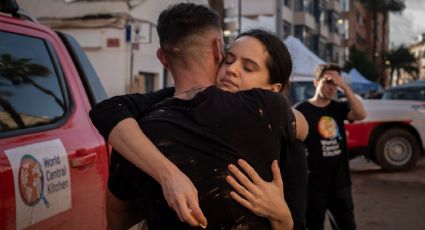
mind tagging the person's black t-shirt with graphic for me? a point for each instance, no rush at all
(326, 144)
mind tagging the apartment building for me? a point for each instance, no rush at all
(418, 50)
(315, 22)
(357, 21)
(359, 31)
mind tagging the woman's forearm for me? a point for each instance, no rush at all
(286, 224)
(130, 141)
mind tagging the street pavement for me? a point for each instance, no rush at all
(388, 201)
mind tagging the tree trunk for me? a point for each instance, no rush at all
(46, 91)
(374, 7)
(382, 58)
(374, 31)
(8, 108)
(398, 76)
(392, 75)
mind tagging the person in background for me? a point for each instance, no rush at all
(329, 180)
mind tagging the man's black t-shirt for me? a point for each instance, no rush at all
(124, 181)
(326, 144)
(203, 135)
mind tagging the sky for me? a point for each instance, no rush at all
(405, 27)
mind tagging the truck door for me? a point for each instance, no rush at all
(53, 164)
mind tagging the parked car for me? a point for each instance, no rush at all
(53, 162)
(410, 91)
(392, 135)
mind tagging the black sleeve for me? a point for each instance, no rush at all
(345, 109)
(293, 166)
(106, 114)
(282, 115)
(291, 130)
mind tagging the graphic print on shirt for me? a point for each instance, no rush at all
(330, 137)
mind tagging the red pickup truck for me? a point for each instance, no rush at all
(53, 162)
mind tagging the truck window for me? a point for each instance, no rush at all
(30, 90)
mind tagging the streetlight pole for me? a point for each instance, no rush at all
(279, 26)
(239, 15)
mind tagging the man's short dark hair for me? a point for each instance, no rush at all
(180, 20)
(322, 68)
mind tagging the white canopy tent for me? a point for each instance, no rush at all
(304, 60)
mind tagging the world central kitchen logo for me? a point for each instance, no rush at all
(32, 178)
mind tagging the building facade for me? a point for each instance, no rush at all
(359, 29)
(418, 50)
(119, 37)
(315, 22)
(357, 21)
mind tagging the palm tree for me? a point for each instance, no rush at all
(401, 59)
(390, 6)
(359, 60)
(8, 108)
(22, 71)
(383, 7)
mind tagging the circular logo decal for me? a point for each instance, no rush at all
(31, 181)
(327, 127)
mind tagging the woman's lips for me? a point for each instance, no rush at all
(228, 82)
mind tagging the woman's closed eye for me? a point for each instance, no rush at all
(250, 66)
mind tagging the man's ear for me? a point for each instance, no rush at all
(162, 58)
(276, 87)
(218, 49)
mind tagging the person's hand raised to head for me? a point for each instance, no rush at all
(336, 79)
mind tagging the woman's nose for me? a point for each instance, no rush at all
(233, 68)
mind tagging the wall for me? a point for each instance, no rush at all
(113, 65)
